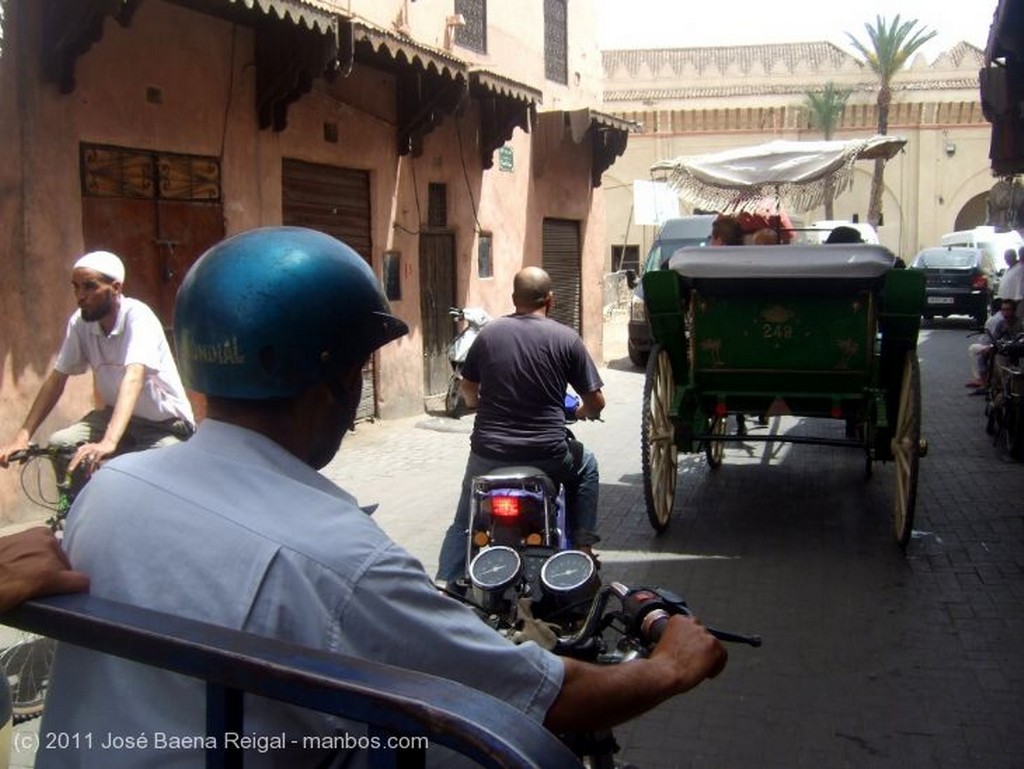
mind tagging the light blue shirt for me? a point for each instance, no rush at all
(230, 528)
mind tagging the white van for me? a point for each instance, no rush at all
(993, 243)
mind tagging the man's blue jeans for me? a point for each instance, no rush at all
(577, 471)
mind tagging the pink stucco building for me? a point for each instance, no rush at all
(449, 143)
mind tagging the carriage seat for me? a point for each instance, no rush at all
(843, 261)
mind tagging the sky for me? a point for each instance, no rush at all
(686, 23)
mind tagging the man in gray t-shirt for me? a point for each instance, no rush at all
(516, 373)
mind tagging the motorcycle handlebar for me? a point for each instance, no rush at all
(649, 611)
(645, 612)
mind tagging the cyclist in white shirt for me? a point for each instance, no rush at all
(122, 342)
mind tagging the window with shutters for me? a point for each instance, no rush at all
(437, 205)
(484, 263)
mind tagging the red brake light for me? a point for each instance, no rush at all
(505, 507)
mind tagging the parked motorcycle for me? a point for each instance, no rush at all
(475, 319)
(1005, 407)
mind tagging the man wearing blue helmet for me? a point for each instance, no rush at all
(274, 326)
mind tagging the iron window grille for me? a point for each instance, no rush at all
(474, 34)
(556, 57)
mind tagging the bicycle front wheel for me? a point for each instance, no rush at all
(26, 662)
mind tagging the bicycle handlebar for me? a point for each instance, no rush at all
(34, 450)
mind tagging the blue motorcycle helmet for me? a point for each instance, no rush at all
(269, 312)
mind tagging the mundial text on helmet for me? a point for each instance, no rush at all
(225, 353)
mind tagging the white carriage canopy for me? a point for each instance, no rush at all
(797, 175)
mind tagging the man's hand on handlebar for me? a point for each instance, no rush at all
(18, 444)
(89, 455)
(690, 652)
(591, 406)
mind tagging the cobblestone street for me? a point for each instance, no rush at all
(871, 658)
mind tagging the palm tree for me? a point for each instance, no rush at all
(891, 45)
(825, 108)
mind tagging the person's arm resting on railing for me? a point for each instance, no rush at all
(32, 564)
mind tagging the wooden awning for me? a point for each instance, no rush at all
(607, 134)
(430, 83)
(608, 138)
(504, 106)
(1002, 88)
(312, 14)
(1006, 35)
(393, 51)
(296, 41)
(69, 29)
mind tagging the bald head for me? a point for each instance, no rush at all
(531, 289)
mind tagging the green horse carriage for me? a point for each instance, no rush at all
(828, 332)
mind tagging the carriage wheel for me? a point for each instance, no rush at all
(659, 456)
(715, 450)
(905, 445)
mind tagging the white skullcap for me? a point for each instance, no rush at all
(103, 262)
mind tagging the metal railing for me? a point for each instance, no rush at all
(391, 701)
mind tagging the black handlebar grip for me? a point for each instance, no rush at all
(647, 613)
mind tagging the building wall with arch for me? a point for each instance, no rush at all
(698, 100)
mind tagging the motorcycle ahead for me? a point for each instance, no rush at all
(518, 527)
(527, 581)
(475, 319)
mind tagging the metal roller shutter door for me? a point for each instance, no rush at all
(560, 254)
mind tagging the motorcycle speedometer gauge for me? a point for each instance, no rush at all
(567, 571)
(495, 568)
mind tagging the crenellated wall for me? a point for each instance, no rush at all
(693, 101)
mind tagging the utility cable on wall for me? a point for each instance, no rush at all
(465, 175)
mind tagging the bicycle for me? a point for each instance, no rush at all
(27, 658)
